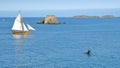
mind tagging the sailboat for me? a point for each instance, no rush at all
(19, 27)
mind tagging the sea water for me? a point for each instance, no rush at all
(62, 45)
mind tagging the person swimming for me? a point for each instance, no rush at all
(88, 52)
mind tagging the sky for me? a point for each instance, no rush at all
(56, 7)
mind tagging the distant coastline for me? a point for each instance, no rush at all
(86, 16)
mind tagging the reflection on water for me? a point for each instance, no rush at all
(20, 51)
(20, 56)
(20, 38)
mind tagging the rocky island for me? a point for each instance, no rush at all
(49, 19)
(108, 16)
(86, 16)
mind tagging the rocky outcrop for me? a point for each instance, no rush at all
(49, 19)
(40, 22)
(85, 16)
(108, 16)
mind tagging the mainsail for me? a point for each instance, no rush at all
(30, 27)
(18, 24)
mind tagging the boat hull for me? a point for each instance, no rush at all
(21, 32)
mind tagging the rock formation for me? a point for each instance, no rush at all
(108, 16)
(85, 16)
(49, 19)
(40, 22)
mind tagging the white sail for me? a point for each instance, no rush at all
(30, 27)
(17, 23)
(25, 28)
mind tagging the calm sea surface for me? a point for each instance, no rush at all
(63, 45)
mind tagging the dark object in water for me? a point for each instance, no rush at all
(64, 23)
(40, 22)
(88, 52)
